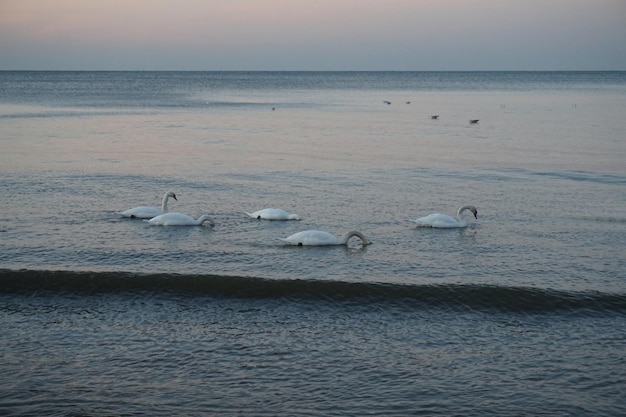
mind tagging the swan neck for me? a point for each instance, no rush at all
(204, 219)
(462, 209)
(354, 233)
(164, 203)
(471, 209)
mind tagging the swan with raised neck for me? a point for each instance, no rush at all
(147, 212)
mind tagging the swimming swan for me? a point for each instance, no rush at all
(146, 212)
(319, 238)
(179, 219)
(443, 221)
(273, 214)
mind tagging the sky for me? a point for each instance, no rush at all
(317, 35)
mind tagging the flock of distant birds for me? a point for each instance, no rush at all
(472, 121)
(434, 116)
(163, 217)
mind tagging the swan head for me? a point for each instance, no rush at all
(171, 194)
(294, 217)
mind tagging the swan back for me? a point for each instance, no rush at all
(311, 238)
(147, 212)
(179, 219)
(320, 238)
(443, 221)
(440, 221)
(141, 212)
(273, 214)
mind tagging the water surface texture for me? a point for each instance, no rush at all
(520, 313)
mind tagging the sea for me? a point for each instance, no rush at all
(521, 313)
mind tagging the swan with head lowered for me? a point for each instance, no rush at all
(179, 219)
(147, 212)
(319, 238)
(273, 214)
(443, 221)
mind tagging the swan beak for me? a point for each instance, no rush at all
(476, 215)
(174, 197)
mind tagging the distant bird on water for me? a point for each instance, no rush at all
(434, 116)
(387, 102)
(474, 121)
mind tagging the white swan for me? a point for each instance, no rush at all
(443, 221)
(179, 219)
(273, 214)
(319, 238)
(147, 212)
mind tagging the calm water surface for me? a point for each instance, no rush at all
(520, 313)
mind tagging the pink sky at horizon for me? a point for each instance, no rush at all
(323, 35)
